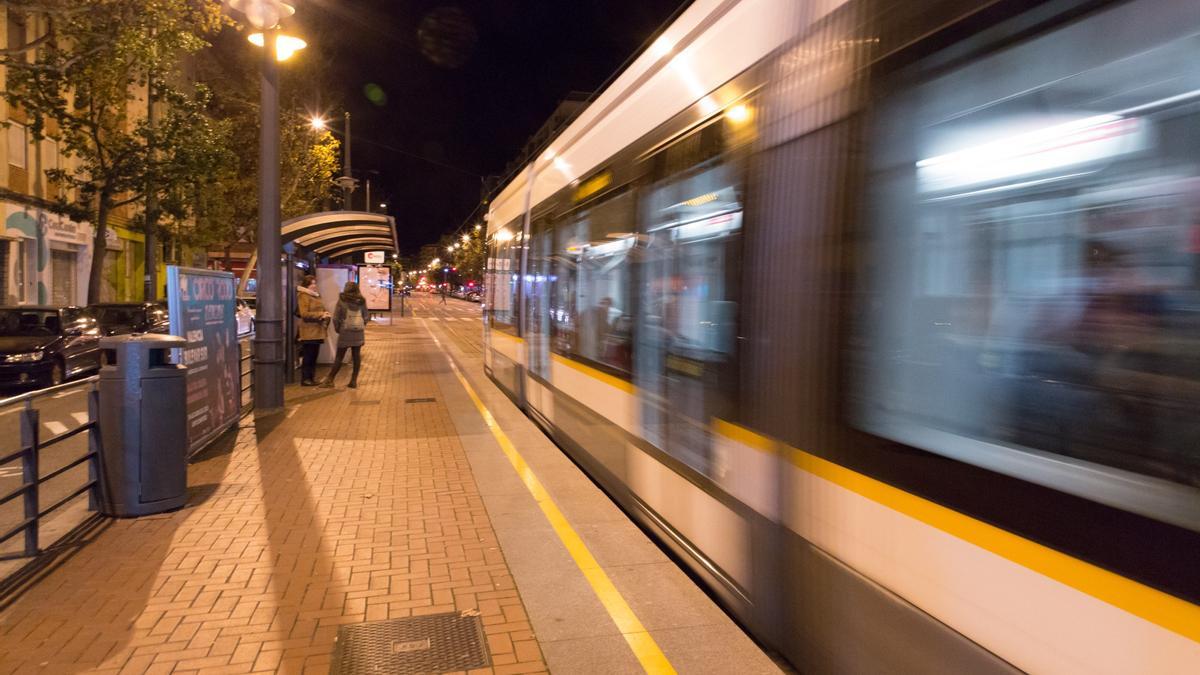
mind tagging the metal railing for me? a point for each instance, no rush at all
(30, 455)
(246, 370)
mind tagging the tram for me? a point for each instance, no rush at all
(884, 317)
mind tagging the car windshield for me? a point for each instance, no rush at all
(119, 316)
(26, 322)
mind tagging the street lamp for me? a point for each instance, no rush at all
(318, 123)
(285, 45)
(270, 344)
(466, 238)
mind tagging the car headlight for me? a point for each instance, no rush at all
(24, 357)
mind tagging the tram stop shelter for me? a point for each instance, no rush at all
(329, 235)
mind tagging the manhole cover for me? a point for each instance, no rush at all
(420, 400)
(438, 643)
(375, 402)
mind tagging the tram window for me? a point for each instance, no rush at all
(504, 265)
(590, 313)
(1037, 219)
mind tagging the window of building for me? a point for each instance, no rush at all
(18, 145)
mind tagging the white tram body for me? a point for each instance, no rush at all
(738, 290)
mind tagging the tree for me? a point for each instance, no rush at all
(308, 159)
(84, 76)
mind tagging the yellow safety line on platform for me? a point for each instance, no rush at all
(643, 645)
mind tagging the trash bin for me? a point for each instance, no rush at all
(143, 425)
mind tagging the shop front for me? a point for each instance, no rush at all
(44, 257)
(124, 265)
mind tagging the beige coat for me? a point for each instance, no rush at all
(311, 325)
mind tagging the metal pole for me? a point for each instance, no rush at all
(269, 352)
(368, 209)
(346, 187)
(289, 300)
(150, 290)
(30, 474)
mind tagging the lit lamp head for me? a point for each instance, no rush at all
(285, 47)
(263, 14)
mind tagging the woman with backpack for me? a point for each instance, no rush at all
(350, 321)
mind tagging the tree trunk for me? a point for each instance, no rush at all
(99, 249)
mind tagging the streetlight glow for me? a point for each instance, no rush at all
(285, 45)
(466, 238)
(318, 123)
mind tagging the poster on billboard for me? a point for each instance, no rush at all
(374, 257)
(376, 286)
(202, 310)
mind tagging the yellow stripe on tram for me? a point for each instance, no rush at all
(1162, 609)
(636, 636)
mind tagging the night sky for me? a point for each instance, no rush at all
(462, 85)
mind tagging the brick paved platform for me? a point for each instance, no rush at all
(384, 502)
(351, 506)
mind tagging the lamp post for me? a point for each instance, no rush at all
(346, 181)
(269, 346)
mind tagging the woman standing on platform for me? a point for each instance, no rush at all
(350, 321)
(313, 322)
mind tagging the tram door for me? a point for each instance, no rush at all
(686, 361)
(537, 297)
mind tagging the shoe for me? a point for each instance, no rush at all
(307, 383)
(353, 384)
(327, 383)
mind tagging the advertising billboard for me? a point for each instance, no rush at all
(374, 257)
(202, 310)
(376, 286)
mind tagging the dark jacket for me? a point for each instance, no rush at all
(346, 305)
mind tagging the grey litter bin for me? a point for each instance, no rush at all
(143, 425)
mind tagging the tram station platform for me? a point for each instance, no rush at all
(417, 523)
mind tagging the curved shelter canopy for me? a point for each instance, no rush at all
(331, 234)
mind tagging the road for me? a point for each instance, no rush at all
(58, 413)
(462, 320)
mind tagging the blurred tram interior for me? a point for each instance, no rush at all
(884, 316)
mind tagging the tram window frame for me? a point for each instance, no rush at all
(507, 250)
(604, 352)
(539, 275)
(908, 118)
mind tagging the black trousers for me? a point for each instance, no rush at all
(309, 349)
(355, 357)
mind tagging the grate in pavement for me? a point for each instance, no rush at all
(420, 400)
(437, 643)
(365, 402)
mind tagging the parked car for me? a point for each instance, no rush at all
(44, 346)
(245, 316)
(118, 318)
